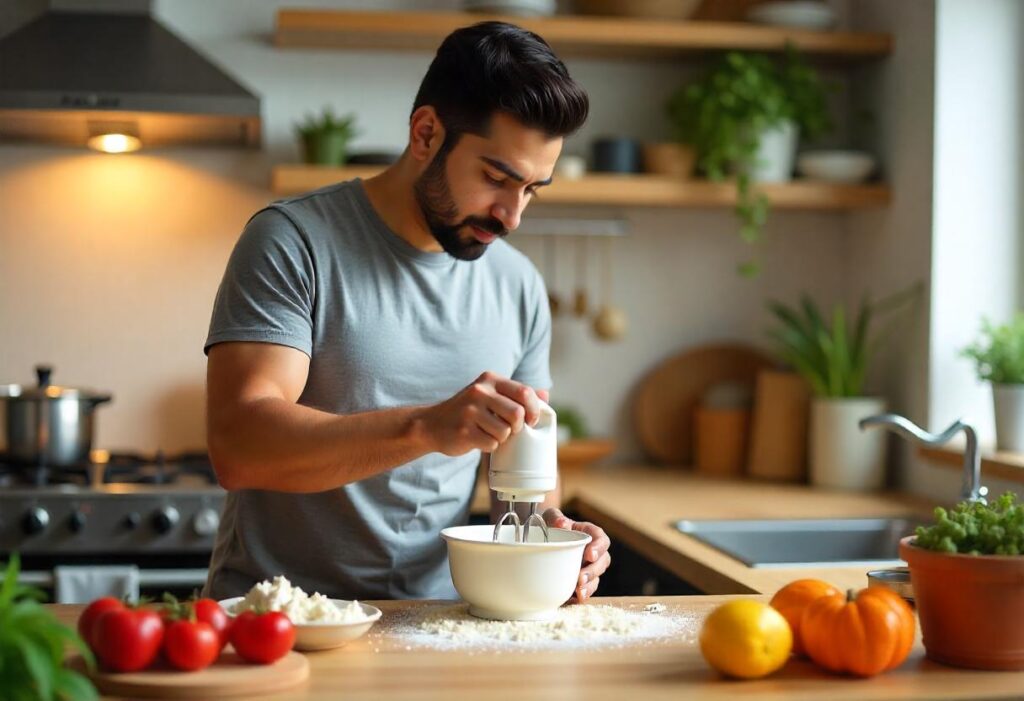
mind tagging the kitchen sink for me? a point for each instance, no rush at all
(799, 542)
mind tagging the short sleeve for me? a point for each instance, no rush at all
(534, 367)
(267, 294)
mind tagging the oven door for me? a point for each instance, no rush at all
(81, 581)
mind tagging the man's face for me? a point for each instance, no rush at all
(477, 192)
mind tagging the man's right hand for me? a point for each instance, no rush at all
(482, 416)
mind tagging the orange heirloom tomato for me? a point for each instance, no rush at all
(863, 633)
(794, 598)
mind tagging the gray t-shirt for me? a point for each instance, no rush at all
(385, 325)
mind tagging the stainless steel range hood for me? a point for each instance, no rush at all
(69, 76)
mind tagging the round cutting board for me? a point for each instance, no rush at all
(665, 399)
(230, 675)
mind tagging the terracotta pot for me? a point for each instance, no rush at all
(671, 159)
(970, 606)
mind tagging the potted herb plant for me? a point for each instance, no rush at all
(999, 359)
(744, 117)
(325, 138)
(966, 570)
(32, 647)
(833, 358)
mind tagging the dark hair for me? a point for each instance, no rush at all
(499, 67)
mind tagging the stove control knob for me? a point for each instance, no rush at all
(206, 522)
(76, 521)
(165, 518)
(131, 520)
(35, 520)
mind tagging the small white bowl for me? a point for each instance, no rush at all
(836, 166)
(322, 636)
(802, 14)
(509, 581)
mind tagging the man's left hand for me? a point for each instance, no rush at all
(595, 558)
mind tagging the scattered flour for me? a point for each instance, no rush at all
(452, 627)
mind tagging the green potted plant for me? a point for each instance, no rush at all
(32, 647)
(325, 138)
(744, 117)
(966, 569)
(998, 356)
(833, 358)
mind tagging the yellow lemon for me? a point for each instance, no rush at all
(746, 638)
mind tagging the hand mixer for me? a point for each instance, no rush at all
(523, 469)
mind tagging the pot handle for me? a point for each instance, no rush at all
(100, 399)
(43, 373)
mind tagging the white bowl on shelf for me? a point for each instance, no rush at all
(321, 636)
(802, 14)
(836, 166)
(511, 581)
(518, 8)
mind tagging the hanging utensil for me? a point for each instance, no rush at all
(580, 302)
(550, 265)
(610, 323)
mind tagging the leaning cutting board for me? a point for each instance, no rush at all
(666, 397)
(229, 676)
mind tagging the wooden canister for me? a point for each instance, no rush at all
(778, 442)
(720, 440)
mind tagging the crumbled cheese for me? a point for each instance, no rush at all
(300, 607)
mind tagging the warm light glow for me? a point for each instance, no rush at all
(115, 143)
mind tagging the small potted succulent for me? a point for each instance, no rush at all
(325, 138)
(833, 357)
(967, 569)
(999, 359)
(744, 117)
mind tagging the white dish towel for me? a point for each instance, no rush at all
(81, 584)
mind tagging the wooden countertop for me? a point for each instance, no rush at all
(636, 505)
(381, 666)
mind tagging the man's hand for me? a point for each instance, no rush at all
(482, 416)
(595, 558)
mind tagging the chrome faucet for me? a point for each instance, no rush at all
(970, 486)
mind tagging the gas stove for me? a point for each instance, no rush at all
(152, 511)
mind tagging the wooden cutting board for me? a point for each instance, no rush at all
(665, 399)
(229, 676)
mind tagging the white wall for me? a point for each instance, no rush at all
(108, 265)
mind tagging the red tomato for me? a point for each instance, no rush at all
(191, 645)
(127, 640)
(87, 620)
(262, 637)
(209, 611)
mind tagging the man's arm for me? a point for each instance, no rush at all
(259, 438)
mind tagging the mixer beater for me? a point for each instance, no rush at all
(523, 470)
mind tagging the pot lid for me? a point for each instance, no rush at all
(44, 389)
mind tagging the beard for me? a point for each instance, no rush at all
(434, 197)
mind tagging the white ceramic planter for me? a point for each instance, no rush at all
(1009, 409)
(841, 455)
(776, 154)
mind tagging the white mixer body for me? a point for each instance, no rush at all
(525, 467)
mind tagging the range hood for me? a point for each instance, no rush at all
(69, 77)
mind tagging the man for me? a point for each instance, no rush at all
(369, 340)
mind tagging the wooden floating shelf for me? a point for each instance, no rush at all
(628, 190)
(569, 35)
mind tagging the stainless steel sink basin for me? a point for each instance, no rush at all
(797, 542)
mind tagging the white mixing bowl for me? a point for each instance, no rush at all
(509, 581)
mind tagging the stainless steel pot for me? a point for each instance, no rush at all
(47, 424)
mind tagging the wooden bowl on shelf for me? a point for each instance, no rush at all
(581, 452)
